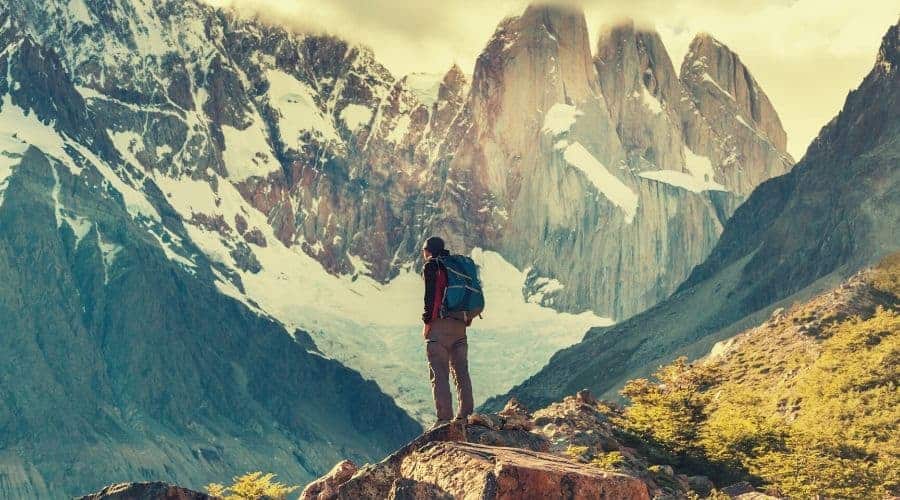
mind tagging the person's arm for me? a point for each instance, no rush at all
(430, 272)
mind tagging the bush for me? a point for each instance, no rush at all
(252, 486)
(670, 410)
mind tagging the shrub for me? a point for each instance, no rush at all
(252, 486)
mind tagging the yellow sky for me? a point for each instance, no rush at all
(806, 54)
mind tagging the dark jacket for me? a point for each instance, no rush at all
(435, 282)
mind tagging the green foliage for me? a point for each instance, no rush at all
(846, 442)
(252, 486)
(579, 453)
(886, 276)
(820, 419)
(612, 460)
(670, 410)
(737, 432)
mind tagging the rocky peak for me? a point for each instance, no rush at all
(553, 41)
(637, 53)
(555, 452)
(869, 116)
(643, 93)
(453, 84)
(709, 62)
(889, 53)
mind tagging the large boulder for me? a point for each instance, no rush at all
(146, 491)
(469, 470)
(378, 480)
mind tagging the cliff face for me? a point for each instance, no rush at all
(735, 124)
(795, 235)
(610, 163)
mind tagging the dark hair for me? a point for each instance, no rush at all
(435, 246)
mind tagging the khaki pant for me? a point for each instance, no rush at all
(447, 351)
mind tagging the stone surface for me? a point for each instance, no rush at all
(146, 491)
(327, 485)
(378, 480)
(468, 470)
(408, 489)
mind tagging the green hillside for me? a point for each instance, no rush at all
(807, 403)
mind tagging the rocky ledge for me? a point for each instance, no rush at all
(513, 454)
(571, 449)
(146, 491)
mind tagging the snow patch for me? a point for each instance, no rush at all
(108, 251)
(79, 225)
(400, 130)
(606, 183)
(698, 178)
(296, 105)
(355, 116)
(560, 118)
(682, 180)
(360, 266)
(707, 78)
(247, 152)
(699, 166)
(648, 100)
(425, 86)
(80, 12)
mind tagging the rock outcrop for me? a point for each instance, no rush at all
(146, 491)
(729, 118)
(467, 470)
(555, 452)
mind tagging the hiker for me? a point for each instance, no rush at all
(445, 337)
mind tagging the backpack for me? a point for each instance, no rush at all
(463, 298)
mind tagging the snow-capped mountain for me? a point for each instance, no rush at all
(120, 357)
(296, 175)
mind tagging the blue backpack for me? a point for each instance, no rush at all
(463, 298)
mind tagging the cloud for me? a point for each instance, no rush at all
(806, 54)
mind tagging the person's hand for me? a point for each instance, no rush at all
(426, 330)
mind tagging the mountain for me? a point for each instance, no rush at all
(121, 358)
(796, 235)
(309, 175)
(605, 170)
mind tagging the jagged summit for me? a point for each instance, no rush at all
(889, 53)
(711, 62)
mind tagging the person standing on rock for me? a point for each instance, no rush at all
(445, 337)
